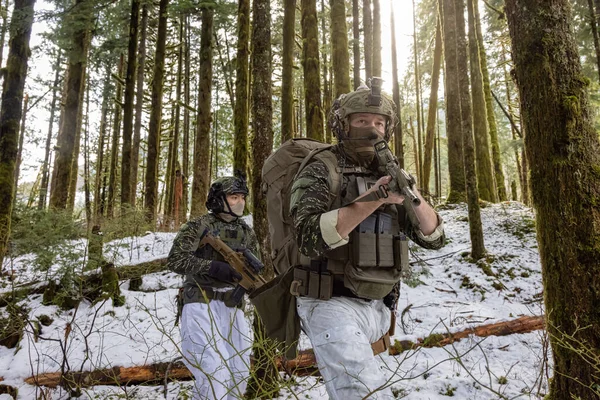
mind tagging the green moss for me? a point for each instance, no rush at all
(497, 285)
(433, 340)
(502, 380)
(449, 391)
(403, 345)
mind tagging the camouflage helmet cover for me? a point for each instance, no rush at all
(221, 187)
(362, 100)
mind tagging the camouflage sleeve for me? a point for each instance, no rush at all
(182, 258)
(310, 197)
(252, 243)
(435, 241)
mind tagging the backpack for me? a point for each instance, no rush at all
(278, 174)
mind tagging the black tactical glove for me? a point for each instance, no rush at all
(224, 272)
(392, 297)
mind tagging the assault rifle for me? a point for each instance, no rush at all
(243, 261)
(401, 182)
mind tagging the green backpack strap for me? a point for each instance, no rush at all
(330, 160)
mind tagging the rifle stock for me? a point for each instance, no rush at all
(239, 261)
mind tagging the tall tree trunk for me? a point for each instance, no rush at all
(10, 111)
(201, 181)
(485, 175)
(4, 12)
(368, 39)
(356, 43)
(310, 64)
(83, 13)
(376, 38)
(151, 181)
(185, 167)
(489, 106)
(86, 158)
(456, 171)
(99, 205)
(475, 227)
(326, 72)
(21, 142)
(114, 150)
(46, 164)
(139, 105)
(287, 73)
(132, 50)
(75, 166)
(240, 118)
(594, 28)
(433, 99)
(264, 379)
(398, 145)
(418, 150)
(339, 48)
(563, 150)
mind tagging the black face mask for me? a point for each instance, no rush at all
(359, 147)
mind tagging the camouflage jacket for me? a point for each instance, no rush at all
(311, 197)
(188, 258)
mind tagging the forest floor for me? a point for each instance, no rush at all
(446, 292)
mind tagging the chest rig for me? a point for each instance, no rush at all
(232, 234)
(371, 263)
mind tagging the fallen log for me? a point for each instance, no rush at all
(303, 365)
(88, 280)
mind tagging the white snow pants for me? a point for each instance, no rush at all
(341, 331)
(216, 345)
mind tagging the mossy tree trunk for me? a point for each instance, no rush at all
(130, 78)
(201, 182)
(151, 179)
(114, 150)
(563, 149)
(139, 104)
(485, 174)
(10, 111)
(80, 19)
(287, 74)
(594, 28)
(356, 43)
(368, 39)
(21, 142)
(264, 379)
(310, 64)
(489, 107)
(339, 48)
(475, 228)
(77, 146)
(102, 138)
(433, 99)
(4, 13)
(240, 118)
(327, 68)
(185, 165)
(46, 165)
(456, 171)
(376, 38)
(398, 145)
(418, 149)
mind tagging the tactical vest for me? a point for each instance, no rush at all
(371, 263)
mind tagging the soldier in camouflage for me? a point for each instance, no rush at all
(337, 232)
(216, 340)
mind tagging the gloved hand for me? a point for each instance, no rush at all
(392, 297)
(224, 272)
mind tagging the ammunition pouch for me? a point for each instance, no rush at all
(313, 281)
(276, 307)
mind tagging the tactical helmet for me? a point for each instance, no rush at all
(220, 188)
(362, 100)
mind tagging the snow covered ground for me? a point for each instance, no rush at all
(446, 292)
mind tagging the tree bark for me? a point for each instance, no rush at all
(310, 64)
(201, 182)
(83, 13)
(139, 105)
(287, 76)
(77, 145)
(327, 72)
(418, 149)
(475, 227)
(151, 190)
(489, 107)
(376, 38)
(456, 171)
(4, 12)
(114, 151)
(339, 48)
(433, 100)
(563, 151)
(368, 39)
(185, 167)
(356, 43)
(21, 142)
(483, 162)
(99, 205)
(242, 85)
(10, 111)
(398, 145)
